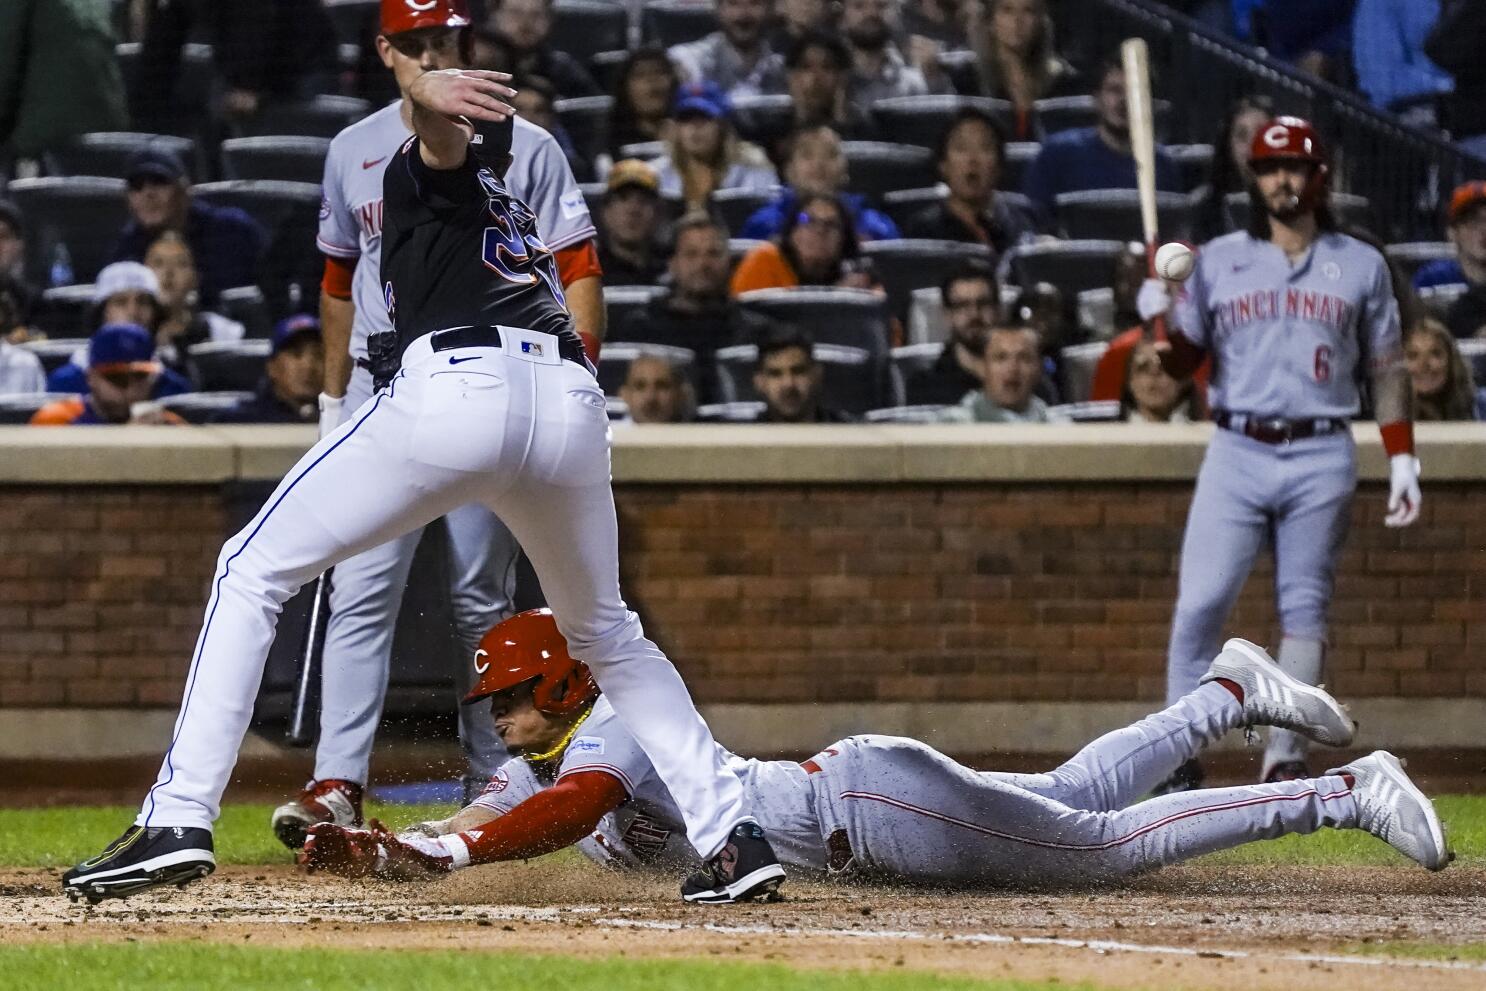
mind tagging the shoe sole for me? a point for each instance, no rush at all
(1257, 658)
(117, 884)
(1391, 768)
(291, 829)
(761, 885)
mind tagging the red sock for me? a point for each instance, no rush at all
(1232, 686)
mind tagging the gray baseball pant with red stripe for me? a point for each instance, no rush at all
(910, 812)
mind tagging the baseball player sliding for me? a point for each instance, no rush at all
(417, 36)
(484, 394)
(1294, 313)
(890, 807)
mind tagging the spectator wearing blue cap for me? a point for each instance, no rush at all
(227, 243)
(737, 57)
(704, 154)
(123, 293)
(291, 380)
(122, 376)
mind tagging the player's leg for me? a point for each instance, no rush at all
(482, 589)
(1310, 528)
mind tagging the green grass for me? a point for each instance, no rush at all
(192, 966)
(1465, 826)
(60, 837)
(1463, 952)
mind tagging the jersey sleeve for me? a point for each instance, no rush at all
(511, 784)
(605, 746)
(548, 186)
(1190, 312)
(1382, 335)
(337, 235)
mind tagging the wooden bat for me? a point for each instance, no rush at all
(1135, 58)
(301, 732)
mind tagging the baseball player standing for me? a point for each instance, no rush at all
(881, 806)
(1294, 313)
(416, 37)
(484, 394)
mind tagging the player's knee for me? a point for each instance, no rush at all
(1304, 616)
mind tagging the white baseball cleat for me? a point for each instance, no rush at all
(1395, 811)
(1273, 698)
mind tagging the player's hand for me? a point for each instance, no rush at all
(1153, 300)
(338, 850)
(1404, 496)
(478, 94)
(330, 413)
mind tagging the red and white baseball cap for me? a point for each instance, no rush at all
(410, 15)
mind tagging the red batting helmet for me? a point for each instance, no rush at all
(527, 647)
(1293, 139)
(410, 15)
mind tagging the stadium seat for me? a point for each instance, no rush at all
(1072, 266)
(54, 352)
(229, 365)
(617, 408)
(852, 317)
(1096, 411)
(1019, 156)
(901, 204)
(586, 119)
(1096, 311)
(906, 264)
(583, 28)
(849, 379)
(605, 67)
(735, 206)
(1194, 162)
(66, 312)
(1437, 300)
(904, 363)
(645, 151)
(1473, 350)
(671, 22)
(1076, 365)
(17, 408)
(190, 97)
(82, 213)
(247, 306)
(1065, 113)
(1114, 214)
(729, 412)
(1349, 209)
(905, 414)
(106, 153)
(762, 117)
(615, 359)
(878, 167)
(927, 322)
(1414, 255)
(921, 120)
(199, 407)
(322, 116)
(622, 301)
(290, 157)
(290, 212)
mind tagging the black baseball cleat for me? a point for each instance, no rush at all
(1287, 770)
(744, 870)
(141, 859)
(1188, 777)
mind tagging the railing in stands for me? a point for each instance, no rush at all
(1405, 171)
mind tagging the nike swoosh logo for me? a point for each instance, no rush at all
(456, 361)
(375, 161)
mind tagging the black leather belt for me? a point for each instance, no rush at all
(1276, 431)
(568, 348)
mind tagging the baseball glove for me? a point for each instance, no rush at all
(372, 852)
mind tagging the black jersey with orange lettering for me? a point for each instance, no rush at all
(459, 250)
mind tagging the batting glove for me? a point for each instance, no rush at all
(330, 413)
(376, 851)
(1404, 496)
(1153, 300)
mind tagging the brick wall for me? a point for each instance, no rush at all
(778, 593)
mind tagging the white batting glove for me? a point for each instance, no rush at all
(330, 413)
(1153, 300)
(1403, 490)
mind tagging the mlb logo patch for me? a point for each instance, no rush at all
(531, 348)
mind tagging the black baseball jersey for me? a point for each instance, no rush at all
(459, 250)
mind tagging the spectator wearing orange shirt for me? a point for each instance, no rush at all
(816, 247)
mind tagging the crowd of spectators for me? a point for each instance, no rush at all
(741, 161)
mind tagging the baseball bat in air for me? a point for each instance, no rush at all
(1135, 58)
(302, 721)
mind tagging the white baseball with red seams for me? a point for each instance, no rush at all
(1174, 261)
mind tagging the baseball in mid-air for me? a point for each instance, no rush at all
(1174, 261)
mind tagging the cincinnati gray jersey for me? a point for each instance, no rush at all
(1290, 340)
(351, 202)
(648, 826)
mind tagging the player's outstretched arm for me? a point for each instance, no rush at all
(442, 97)
(1392, 404)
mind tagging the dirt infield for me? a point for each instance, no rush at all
(1191, 928)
